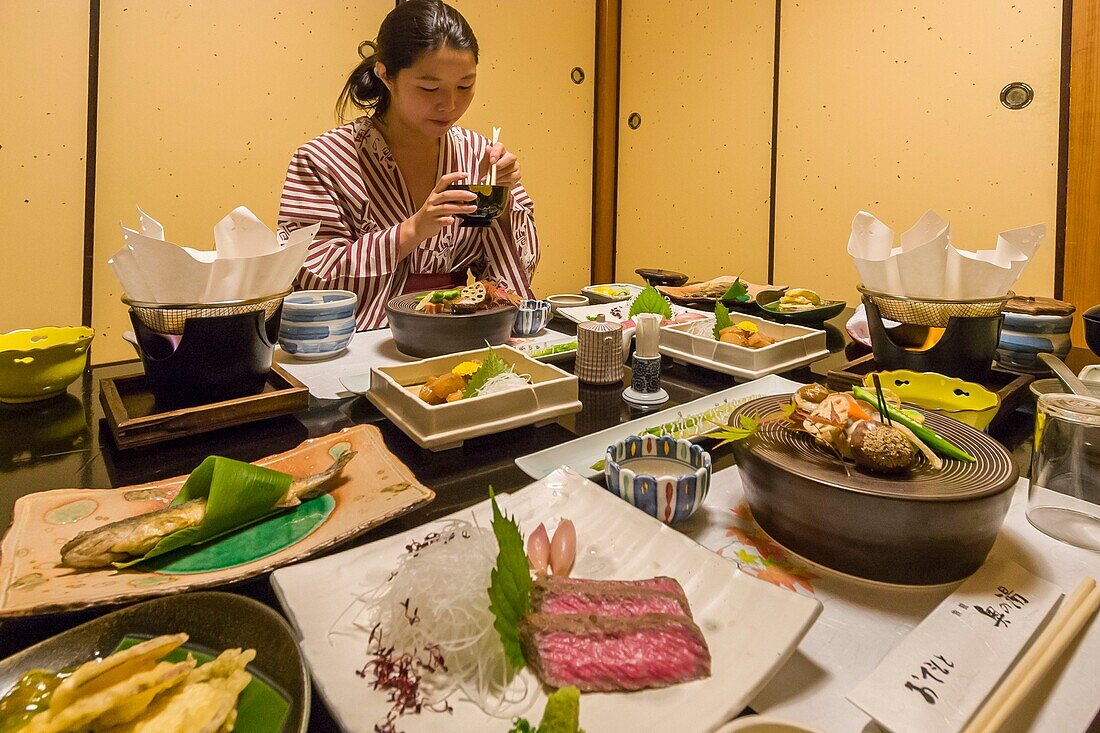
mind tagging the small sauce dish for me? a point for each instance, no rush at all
(664, 477)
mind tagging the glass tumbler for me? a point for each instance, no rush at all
(1063, 498)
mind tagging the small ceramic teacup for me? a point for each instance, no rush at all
(317, 324)
(532, 317)
(664, 477)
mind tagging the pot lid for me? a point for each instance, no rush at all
(1038, 306)
(600, 325)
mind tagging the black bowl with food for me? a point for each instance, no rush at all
(908, 522)
(1091, 319)
(490, 203)
(459, 320)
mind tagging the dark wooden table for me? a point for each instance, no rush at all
(64, 443)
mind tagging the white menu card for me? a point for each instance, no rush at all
(935, 680)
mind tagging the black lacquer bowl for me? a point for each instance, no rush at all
(922, 527)
(422, 334)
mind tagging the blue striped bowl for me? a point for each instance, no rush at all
(669, 496)
(1024, 337)
(317, 324)
(532, 317)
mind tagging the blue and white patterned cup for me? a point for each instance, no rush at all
(532, 317)
(317, 324)
(664, 477)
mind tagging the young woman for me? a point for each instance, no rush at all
(378, 185)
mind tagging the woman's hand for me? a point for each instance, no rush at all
(508, 172)
(439, 211)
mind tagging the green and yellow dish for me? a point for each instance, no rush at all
(41, 362)
(967, 402)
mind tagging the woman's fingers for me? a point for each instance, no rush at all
(456, 195)
(497, 152)
(448, 179)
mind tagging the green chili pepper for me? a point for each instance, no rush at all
(942, 446)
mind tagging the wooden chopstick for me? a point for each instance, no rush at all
(493, 169)
(1072, 616)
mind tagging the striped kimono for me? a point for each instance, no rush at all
(347, 180)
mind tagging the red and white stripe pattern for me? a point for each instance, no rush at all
(347, 180)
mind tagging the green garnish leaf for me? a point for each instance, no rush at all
(721, 319)
(510, 585)
(749, 426)
(651, 301)
(737, 293)
(490, 367)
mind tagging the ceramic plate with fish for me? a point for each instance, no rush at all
(118, 524)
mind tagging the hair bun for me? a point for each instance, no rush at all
(373, 48)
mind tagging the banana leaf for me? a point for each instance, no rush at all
(236, 493)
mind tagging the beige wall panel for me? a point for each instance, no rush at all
(527, 50)
(202, 103)
(694, 178)
(44, 55)
(894, 108)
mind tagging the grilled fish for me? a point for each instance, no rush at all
(131, 538)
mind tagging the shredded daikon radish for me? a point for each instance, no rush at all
(503, 382)
(437, 600)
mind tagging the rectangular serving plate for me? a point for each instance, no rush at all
(581, 453)
(394, 391)
(133, 418)
(694, 343)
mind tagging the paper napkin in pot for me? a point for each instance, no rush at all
(928, 265)
(248, 261)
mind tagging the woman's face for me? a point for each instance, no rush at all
(433, 93)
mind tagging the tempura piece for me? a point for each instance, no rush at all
(87, 712)
(203, 707)
(99, 674)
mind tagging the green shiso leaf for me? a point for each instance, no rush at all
(721, 319)
(510, 585)
(737, 293)
(651, 301)
(490, 367)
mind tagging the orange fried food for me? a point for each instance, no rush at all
(437, 389)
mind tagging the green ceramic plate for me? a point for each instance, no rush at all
(276, 701)
(768, 302)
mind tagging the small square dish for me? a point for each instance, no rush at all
(694, 343)
(394, 390)
(611, 292)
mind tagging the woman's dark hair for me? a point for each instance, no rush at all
(410, 29)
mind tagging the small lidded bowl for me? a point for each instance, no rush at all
(665, 477)
(317, 324)
(532, 317)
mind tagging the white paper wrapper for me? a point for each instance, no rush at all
(927, 265)
(247, 262)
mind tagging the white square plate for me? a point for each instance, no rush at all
(582, 453)
(751, 626)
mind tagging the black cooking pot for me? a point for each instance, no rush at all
(1092, 328)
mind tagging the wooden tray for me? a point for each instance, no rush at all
(1011, 388)
(134, 420)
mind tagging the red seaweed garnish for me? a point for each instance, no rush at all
(399, 676)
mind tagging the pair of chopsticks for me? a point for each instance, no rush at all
(1071, 617)
(493, 170)
(881, 400)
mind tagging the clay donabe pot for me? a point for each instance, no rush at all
(433, 334)
(922, 527)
